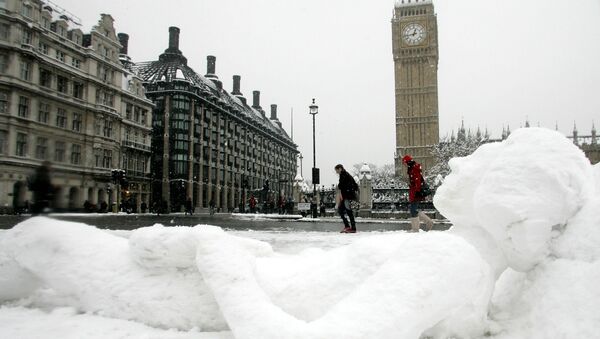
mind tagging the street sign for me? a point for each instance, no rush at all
(304, 206)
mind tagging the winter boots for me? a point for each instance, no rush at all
(414, 225)
(428, 222)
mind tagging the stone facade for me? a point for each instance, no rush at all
(415, 50)
(209, 144)
(65, 97)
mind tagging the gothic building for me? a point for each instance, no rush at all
(65, 97)
(415, 50)
(209, 144)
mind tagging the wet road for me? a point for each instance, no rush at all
(133, 221)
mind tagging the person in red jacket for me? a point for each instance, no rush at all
(415, 177)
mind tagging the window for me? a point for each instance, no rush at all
(61, 118)
(78, 90)
(21, 144)
(26, 38)
(98, 125)
(3, 102)
(59, 151)
(4, 31)
(77, 122)
(3, 62)
(41, 148)
(45, 78)
(136, 115)
(76, 63)
(127, 134)
(43, 48)
(108, 128)
(107, 159)
(62, 84)
(3, 141)
(76, 154)
(105, 98)
(23, 109)
(44, 112)
(45, 23)
(98, 157)
(25, 70)
(26, 10)
(60, 30)
(128, 109)
(60, 55)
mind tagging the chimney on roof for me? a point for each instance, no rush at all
(173, 39)
(124, 41)
(256, 100)
(274, 112)
(211, 65)
(236, 85)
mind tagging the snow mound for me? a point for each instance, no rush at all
(387, 285)
(518, 191)
(531, 203)
(94, 271)
(523, 251)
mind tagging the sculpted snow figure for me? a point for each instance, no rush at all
(510, 203)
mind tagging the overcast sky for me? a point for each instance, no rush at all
(500, 62)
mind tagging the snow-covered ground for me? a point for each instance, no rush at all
(522, 261)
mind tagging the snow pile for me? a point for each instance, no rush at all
(96, 272)
(530, 204)
(523, 251)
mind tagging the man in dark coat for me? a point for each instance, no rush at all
(347, 192)
(415, 177)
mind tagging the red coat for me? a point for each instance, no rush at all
(415, 177)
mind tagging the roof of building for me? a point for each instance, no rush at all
(172, 66)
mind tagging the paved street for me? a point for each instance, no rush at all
(133, 221)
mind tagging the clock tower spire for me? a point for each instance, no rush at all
(415, 50)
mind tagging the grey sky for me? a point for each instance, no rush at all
(500, 62)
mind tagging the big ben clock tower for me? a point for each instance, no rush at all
(415, 48)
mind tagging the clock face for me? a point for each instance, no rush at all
(414, 34)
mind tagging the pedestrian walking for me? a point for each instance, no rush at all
(417, 193)
(211, 206)
(347, 193)
(189, 209)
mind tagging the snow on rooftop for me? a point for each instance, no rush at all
(405, 3)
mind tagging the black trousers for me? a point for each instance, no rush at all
(345, 208)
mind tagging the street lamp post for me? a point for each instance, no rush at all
(314, 110)
(301, 157)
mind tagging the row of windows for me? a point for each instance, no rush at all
(135, 136)
(63, 84)
(408, 12)
(42, 148)
(103, 158)
(136, 113)
(134, 162)
(103, 127)
(43, 113)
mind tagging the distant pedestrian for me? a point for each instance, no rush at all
(103, 207)
(417, 193)
(211, 206)
(347, 193)
(43, 191)
(253, 203)
(188, 207)
(322, 209)
(143, 207)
